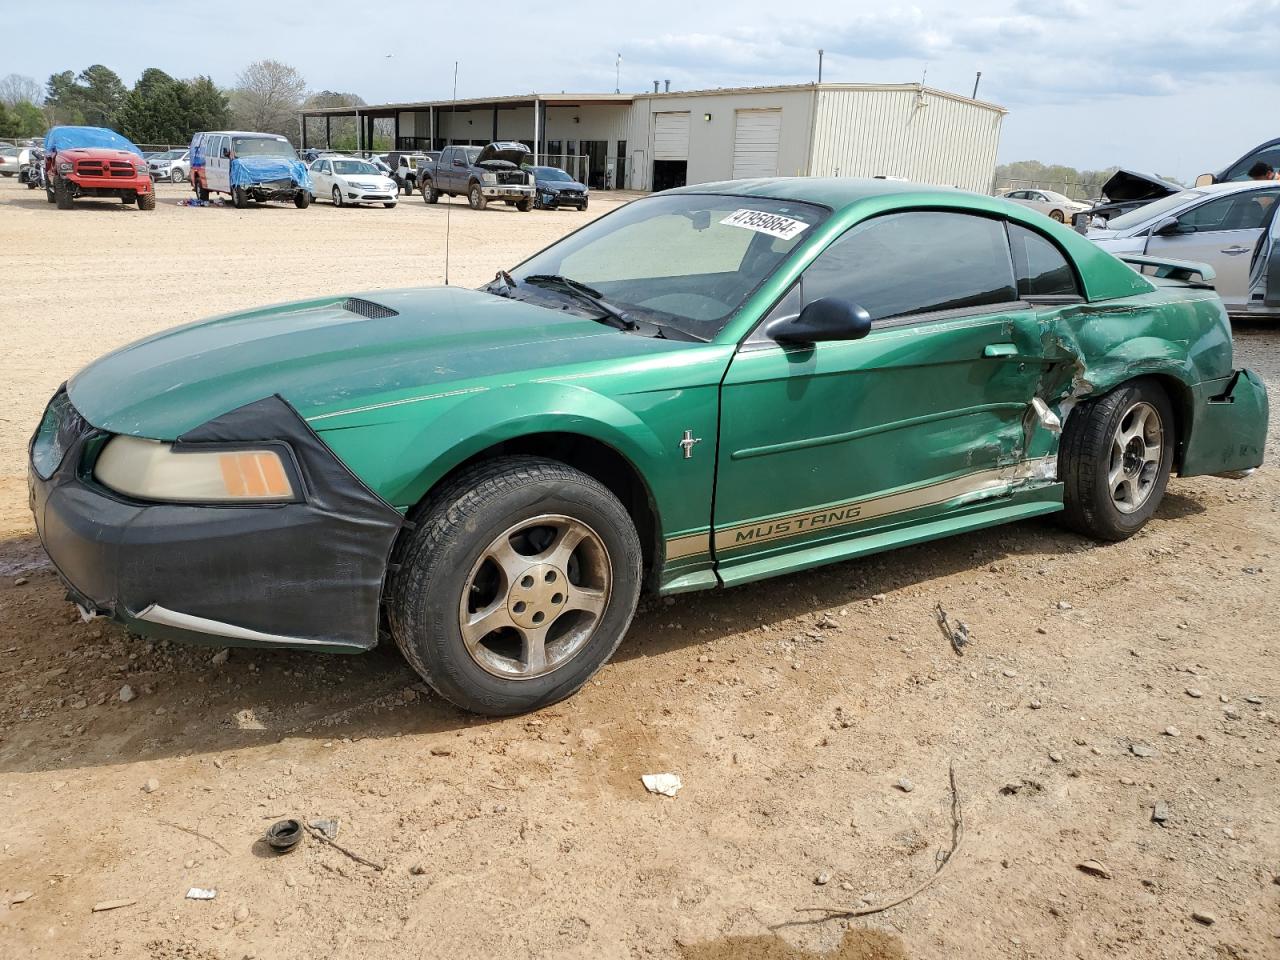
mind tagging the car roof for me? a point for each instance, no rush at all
(243, 133)
(1234, 186)
(852, 199)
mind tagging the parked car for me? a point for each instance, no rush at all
(1053, 205)
(1230, 226)
(9, 161)
(345, 180)
(480, 174)
(555, 189)
(172, 165)
(496, 474)
(248, 166)
(1268, 153)
(1124, 191)
(95, 162)
(404, 168)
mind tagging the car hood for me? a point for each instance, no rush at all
(1127, 185)
(558, 185)
(327, 356)
(96, 153)
(504, 152)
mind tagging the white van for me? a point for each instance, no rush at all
(248, 166)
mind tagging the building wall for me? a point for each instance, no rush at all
(927, 137)
(711, 141)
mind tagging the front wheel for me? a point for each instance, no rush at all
(525, 205)
(146, 201)
(1115, 458)
(302, 199)
(516, 586)
(475, 197)
(336, 195)
(62, 195)
(239, 199)
(1057, 215)
(390, 206)
(429, 193)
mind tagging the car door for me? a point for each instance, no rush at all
(1224, 232)
(218, 165)
(321, 180)
(456, 170)
(926, 413)
(1038, 201)
(1264, 275)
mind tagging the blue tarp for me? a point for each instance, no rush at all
(65, 138)
(248, 171)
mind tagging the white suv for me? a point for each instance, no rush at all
(172, 165)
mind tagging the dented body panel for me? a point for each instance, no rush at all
(753, 457)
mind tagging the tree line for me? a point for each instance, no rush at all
(159, 108)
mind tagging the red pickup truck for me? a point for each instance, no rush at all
(95, 162)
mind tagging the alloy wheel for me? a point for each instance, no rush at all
(535, 597)
(1136, 451)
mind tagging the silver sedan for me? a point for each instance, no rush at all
(1053, 205)
(1230, 226)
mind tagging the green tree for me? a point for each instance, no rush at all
(64, 99)
(205, 105)
(102, 95)
(31, 121)
(160, 109)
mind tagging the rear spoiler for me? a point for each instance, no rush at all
(1185, 271)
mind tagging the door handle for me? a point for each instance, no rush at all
(1000, 350)
(1235, 251)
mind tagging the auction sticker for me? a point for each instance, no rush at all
(775, 225)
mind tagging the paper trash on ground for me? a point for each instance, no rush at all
(667, 784)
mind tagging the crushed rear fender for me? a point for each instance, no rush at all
(1228, 426)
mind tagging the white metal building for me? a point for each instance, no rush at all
(652, 141)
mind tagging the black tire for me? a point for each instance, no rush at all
(302, 199)
(146, 201)
(429, 193)
(525, 205)
(584, 205)
(336, 196)
(1057, 215)
(453, 533)
(176, 175)
(475, 197)
(49, 195)
(1085, 461)
(62, 195)
(238, 198)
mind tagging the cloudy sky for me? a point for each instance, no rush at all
(1178, 87)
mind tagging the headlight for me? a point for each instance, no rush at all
(64, 166)
(152, 470)
(489, 178)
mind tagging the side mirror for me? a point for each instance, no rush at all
(1166, 228)
(1205, 180)
(830, 318)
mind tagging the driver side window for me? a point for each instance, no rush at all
(1247, 211)
(904, 264)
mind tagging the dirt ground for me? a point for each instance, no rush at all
(812, 718)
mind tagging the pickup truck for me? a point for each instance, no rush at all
(95, 162)
(480, 174)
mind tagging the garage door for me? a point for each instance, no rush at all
(755, 143)
(671, 136)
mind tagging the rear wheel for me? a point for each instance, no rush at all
(517, 585)
(146, 201)
(475, 197)
(1115, 458)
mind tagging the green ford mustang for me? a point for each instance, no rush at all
(706, 387)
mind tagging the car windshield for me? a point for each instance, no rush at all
(1154, 210)
(348, 167)
(686, 260)
(264, 147)
(471, 154)
(551, 173)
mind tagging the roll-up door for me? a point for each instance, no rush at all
(755, 143)
(671, 136)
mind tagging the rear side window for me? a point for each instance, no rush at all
(1039, 266)
(917, 262)
(1241, 211)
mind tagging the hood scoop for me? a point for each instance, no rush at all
(368, 309)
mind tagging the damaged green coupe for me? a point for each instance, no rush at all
(704, 388)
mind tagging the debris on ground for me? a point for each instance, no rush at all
(21, 897)
(957, 635)
(1142, 750)
(283, 835)
(1203, 916)
(126, 693)
(1160, 813)
(112, 905)
(329, 827)
(1014, 787)
(1095, 868)
(151, 785)
(200, 893)
(343, 850)
(666, 784)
